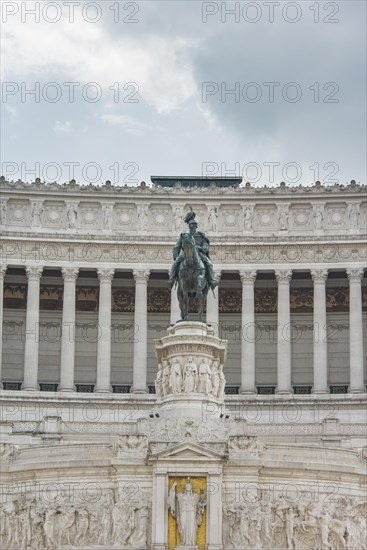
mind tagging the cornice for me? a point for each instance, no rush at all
(108, 189)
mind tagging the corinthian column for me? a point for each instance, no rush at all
(320, 384)
(212, 305)
(248, 333)
(105, 277)
(355, 331)
(32, 328)
(141, 328)
(70, 276)
(284, 361)
(2, 276)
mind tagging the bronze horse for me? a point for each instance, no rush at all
(192, 283)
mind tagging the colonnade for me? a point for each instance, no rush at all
(141, 277)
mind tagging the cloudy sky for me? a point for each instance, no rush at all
(273, 91)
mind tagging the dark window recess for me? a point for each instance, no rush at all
(232, 390)
(118, 388)
(302, 389)
(266, 390)
(12, 385)
(84, 388)
(151, 389)
(338, 389)
(48, 387)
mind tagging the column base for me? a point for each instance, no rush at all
(25, 388)
(139, 390)
(102, 390)
(357, 390)
(320, 392)
(248, 391)
(67, 390)
(284, 392)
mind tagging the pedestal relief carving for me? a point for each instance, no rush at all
(190, 362)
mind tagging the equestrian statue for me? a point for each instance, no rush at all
(192, 269)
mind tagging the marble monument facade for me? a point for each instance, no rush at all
(92, 439)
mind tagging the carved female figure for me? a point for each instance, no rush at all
(222, 383)
(247, 219)
(212, 219)
(165, 378)
(175, 379)
(190, 376)
(204, 378)
(159, 382)
(215, 378)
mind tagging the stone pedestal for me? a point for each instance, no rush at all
(190, 378)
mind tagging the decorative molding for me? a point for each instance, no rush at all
(105, 275)
(283, 275)
(248, 277)
(70, 273)
(141, 276)
(355, 275)
(319, 275)
(34, 273)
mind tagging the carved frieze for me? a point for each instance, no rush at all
(54, 214)
(89, 216)
(123, 299)
(254, 520)
(125, 217)
(67, 519)
(301, 218)
(230, 300)
(336, 216)
(18, 213)
(160, 218)
(265, 217)
(231, 219)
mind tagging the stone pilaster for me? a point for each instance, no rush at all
(284, 361)
(32, 328)
(212, 305)
(355, 331)
(105, 277)
(3, 269)
(70, 276)
(320, 375)
(141, 327)
(248, 333)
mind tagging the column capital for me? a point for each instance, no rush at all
(248, 276)
(70, 273)
(283, 275)
(141, 275)
(105, 275)
(355, 275)
(3, 269)
(319, 275)
(34, 273)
